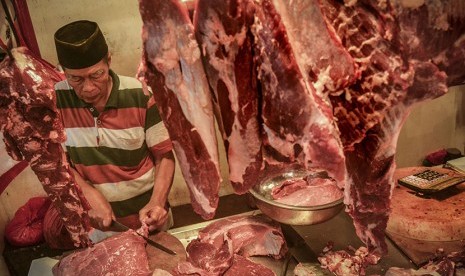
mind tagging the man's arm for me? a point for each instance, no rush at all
(154, 213)
(101, 213)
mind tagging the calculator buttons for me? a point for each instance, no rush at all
(430, 181)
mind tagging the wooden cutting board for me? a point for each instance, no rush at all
(438, 217)
(420, 252)
(160, 259)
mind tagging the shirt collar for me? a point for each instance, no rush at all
(112, 101)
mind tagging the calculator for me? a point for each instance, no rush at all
(430, 181)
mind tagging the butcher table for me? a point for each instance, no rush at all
(338, 230)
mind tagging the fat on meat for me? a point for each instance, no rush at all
(254, 235)
(328, 68)
(120, 255)
(172, 66)
(297, 118)
(348, 263)
(223, 31)
(33, 132)
(388, 42)
(161, 272)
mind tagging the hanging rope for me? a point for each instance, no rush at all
(10, 22)
(4, 47)
(24, 27)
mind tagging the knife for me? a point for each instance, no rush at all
(117, 226)
(302, 253)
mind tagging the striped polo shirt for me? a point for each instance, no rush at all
(114, 150)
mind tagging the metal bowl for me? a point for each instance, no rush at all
(289, 214)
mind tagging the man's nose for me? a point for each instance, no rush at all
(88, 85)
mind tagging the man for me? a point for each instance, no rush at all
(117, 144)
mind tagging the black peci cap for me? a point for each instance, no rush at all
(80, 44)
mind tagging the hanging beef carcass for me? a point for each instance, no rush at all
(223, 31)
(172, 67)
(295, 120)
(398, 50)
(332, 76)
(33, 132)
(369, 115)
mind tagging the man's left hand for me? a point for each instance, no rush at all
(154, 215)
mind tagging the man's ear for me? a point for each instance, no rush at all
(109, 59)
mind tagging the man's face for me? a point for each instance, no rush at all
(91, 84)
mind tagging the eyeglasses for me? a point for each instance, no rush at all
(96, 76)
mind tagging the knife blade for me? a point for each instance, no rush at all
(302, 253)
(117, 226)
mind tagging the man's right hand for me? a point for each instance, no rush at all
(100, 213)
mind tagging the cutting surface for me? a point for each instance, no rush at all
(435, 217)
(162, 260)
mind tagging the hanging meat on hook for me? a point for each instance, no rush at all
(172, 67)
(33, 132)
(400, 66)
(322, 83)
(223, 31)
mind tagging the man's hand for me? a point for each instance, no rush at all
(101, 213)
(154, 215)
